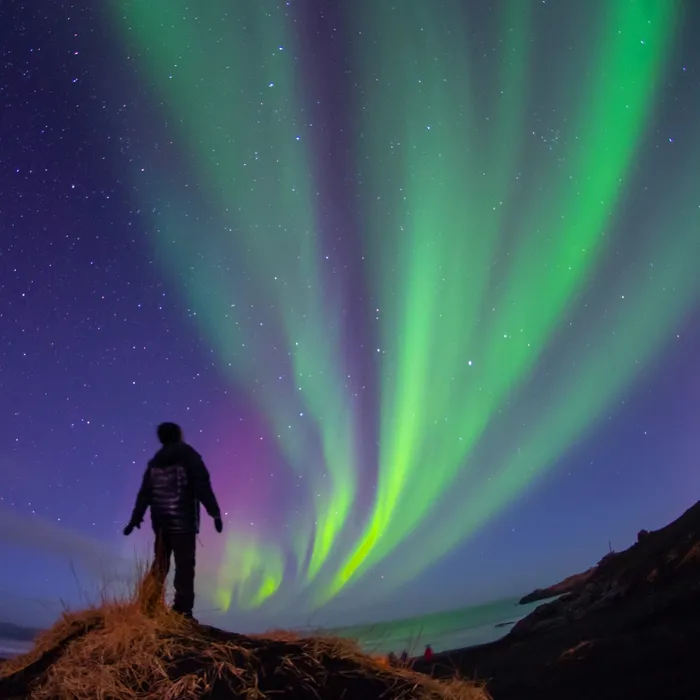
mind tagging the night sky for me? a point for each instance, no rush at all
(418, 279)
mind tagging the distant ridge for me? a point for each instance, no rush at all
(568, 585)
(18, 633)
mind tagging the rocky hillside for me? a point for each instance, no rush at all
(630, 628)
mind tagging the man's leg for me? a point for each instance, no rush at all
(184, 547)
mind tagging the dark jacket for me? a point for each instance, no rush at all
(176, 481)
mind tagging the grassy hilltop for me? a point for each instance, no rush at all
(116, 651)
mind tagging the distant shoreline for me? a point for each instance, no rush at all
(17, 639)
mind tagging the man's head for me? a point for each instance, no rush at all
(169, 433)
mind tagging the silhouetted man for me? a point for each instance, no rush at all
(176, 481)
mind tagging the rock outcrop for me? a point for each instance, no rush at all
(569, 585)
(630, 628)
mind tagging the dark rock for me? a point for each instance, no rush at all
(642, 534)
(509, 623)
(569, 584)
(630, 629)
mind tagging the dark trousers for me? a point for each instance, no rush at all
(182, 547)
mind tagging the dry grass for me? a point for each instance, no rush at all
(138, 649)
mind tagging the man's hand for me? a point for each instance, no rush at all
(129, 529)
(218, 524)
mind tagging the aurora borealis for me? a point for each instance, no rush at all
(418, 280)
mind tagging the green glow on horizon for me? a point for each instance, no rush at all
(478, 253)
(251, 573)
(443, 381)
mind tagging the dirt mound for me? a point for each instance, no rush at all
(117, 652)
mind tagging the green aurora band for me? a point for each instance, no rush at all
(443, 381)
(248, 151)
(478, 263)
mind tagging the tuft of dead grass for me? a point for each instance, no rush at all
(139, 650)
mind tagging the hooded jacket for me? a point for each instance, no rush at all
(176, 481)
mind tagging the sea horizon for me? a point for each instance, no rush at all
(453, 629)
(443, 631)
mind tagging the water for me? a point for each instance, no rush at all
(11, 647)
(443, 631)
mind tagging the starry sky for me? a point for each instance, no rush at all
(418, 279)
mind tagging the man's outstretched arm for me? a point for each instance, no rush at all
(143, 500)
